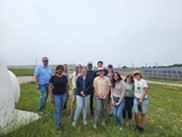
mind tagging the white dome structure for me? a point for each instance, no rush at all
(7, 99)
(10, 118)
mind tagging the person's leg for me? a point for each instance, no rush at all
(124, 111)
(130, 106)
(120, 111)
(144, 111)
(91, 102)
(85, 105)
(136, 102)
(109, 105)
(79, 100)
(97, 109)
(57, 110)
(43, 98)
(64, 108)
(63, 100)
(72, 104)
(104, 108)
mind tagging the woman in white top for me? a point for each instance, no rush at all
(75, 75)
(117, 97)
(140, 100)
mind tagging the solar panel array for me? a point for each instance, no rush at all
(169, 73)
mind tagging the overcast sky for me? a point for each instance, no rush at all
(120, 32)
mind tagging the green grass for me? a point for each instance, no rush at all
(164, 118)
(23, 72)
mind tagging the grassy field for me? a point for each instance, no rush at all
(23, 72)
(164, 117)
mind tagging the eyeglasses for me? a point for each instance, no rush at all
(129, 77)
(79, 67)
(45, 60)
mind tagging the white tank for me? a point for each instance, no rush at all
(9, 94)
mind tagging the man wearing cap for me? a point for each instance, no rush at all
(102, 86)
(140, 100)
(90, 73)
(100, 65)
(42, 75)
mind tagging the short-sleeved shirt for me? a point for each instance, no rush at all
(67, 75)
(59, 84)
(118, 88)
(101, 84)
(129, 89)
(139, 88)
(43, 73)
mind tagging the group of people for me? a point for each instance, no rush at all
(112, 94)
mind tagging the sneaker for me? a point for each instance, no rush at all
(40, 113)
(85, 122)
(140, 129)
(59, 131)
(92, 113)
(94, 126)
(120, 128)
(74, 124)
(61, 125)
(103, 123)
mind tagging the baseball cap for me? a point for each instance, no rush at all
(110, 66)
(100, 69)
(136, 72)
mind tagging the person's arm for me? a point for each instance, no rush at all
(67, 89)
(108, 88)
(112, 95)
(143, 95)
(96, 90)
(107, 92)
(50, 92)
(121, 97)
(88, 86)
(97, 93)
(36, 82)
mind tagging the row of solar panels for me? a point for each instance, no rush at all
(170, 73)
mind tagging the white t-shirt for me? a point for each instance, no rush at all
(139, 88)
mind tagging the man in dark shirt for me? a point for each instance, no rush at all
(90, 73)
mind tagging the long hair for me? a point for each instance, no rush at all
(77, 68)
(113, 80)
(129, 75)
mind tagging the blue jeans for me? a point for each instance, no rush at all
(118, 110)
(44, 94)
(100, 105)
(81, 102)
(128, 107)
(59, 101)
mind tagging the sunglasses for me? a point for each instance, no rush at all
(136, 74)
(45, 60)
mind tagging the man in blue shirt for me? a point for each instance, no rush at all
(42, 75)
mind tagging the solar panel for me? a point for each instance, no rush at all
(172, 73)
